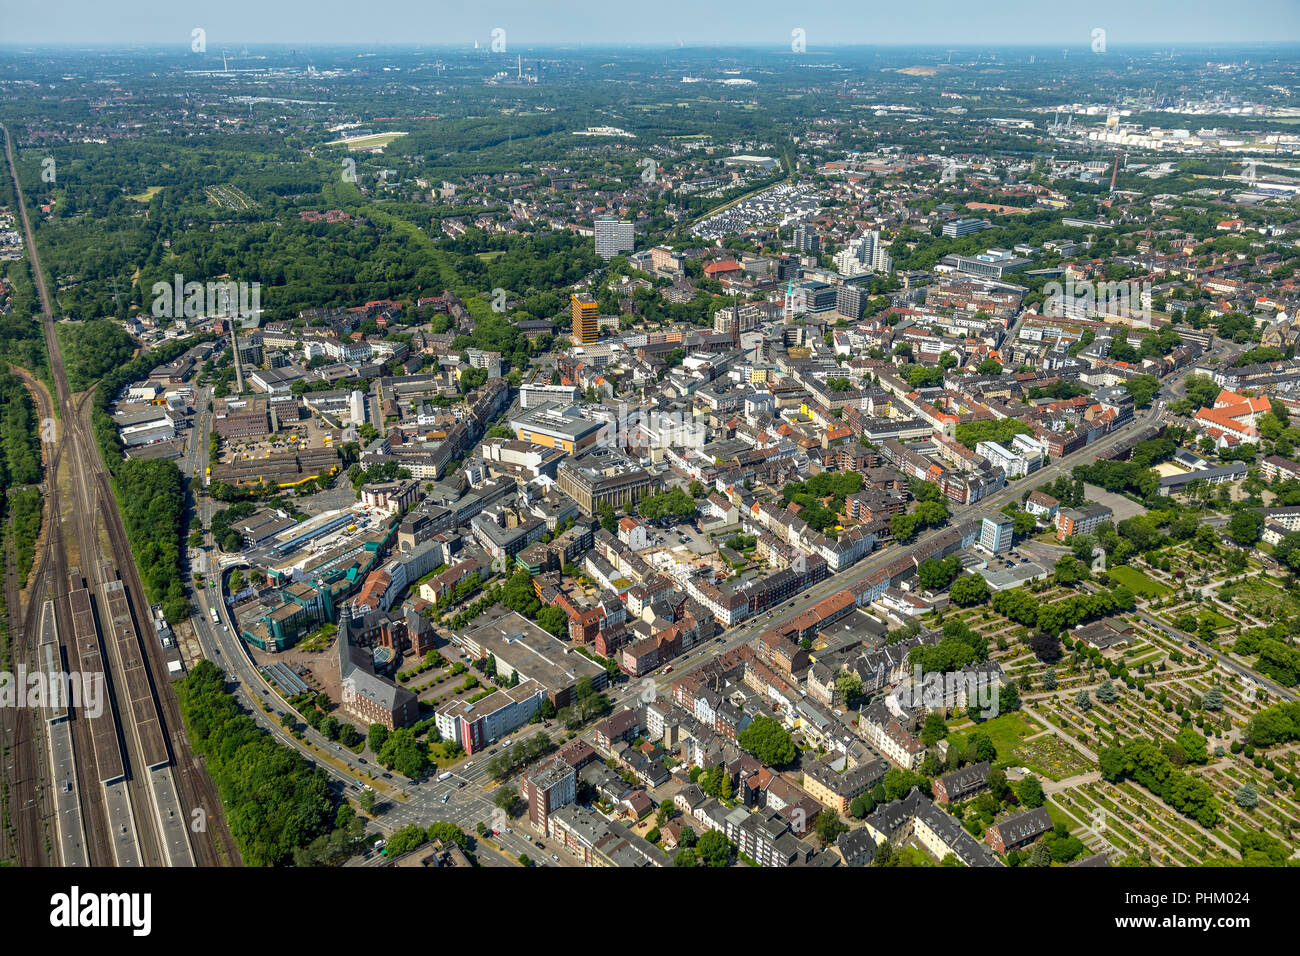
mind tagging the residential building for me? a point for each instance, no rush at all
(1019, 830)
(547, 787)
(1085, 520)
(613, 237)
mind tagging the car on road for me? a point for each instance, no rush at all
(446, 797)
(555, 858)
(540, 844)
(388, 776)
(361, 760)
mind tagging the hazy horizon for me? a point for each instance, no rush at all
(760, 24)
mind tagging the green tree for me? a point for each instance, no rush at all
(1245, 526)
(969, 590)
(1192, 742)
(767, 741)
(934, 729)
(980, 747)
(714, 849)
(829, 826)
(403, 753)
(849, 687)
(507, 799)
(1030, 792)
(1247, 797)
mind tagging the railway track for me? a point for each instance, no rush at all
(142, 817)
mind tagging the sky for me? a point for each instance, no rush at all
(826, 23)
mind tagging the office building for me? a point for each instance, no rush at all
(851, 301)
(993, 264)
(586, 329)
(995, 535)
(602, 475)
(557, 426)
(964, 227)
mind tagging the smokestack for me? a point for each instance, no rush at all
(239, 369)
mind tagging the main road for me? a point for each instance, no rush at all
(988, 506)
(404, 801)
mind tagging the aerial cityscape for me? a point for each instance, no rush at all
(792, 452)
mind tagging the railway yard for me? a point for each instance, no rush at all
(109, 785)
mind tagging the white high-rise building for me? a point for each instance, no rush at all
(866, 253)
(847, 262)
(613, 237)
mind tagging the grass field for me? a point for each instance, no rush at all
(149, 193)
(1137, 582)
(1006, 732)
(1217, 620)
(366, 142)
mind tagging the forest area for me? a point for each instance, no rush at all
(20, 470)
(275, 801)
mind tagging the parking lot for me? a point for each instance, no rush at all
(682, 535)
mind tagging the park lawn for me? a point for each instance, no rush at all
(1217, 620)
(1006, 731)
(1060, 815)
(439, 754)
(1137, 582)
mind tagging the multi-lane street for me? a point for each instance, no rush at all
(400, 801)
(466, 798)
(985, 507)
